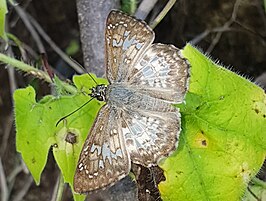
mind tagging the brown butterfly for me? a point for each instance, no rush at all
(138, 122)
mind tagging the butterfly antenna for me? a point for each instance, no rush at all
(72, 112)
(74, 61)
(84, 70)
(93, 79)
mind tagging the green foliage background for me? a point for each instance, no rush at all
(222, 144)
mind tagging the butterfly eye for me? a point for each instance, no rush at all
(92, 90)
(100, 98)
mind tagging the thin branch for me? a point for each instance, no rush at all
(22, 47)
(59, 189)
(11, 178)
(12, 80)
(29, 21)
(24, 189)
(235, 10)
(11, 74)
(14, 173)
(4, 189)
(24, 167)
(261, 80)
(145, 8)
(225, 26)
(214, 42)
(30, 50)
(8, 126)
(218, 30)
(262, 11)
(54, 46)
(200, 37)
(25, 5)
(31, 29)
(162, 14)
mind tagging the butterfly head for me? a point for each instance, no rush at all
(99, 92)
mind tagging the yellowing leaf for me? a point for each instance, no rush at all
(223, 140)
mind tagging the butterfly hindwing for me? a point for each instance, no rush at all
(150, 135)
(162, 73)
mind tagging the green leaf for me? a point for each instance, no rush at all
(223, 140)
(37, 131)
(78, 197)
(33, 137)
(129, 6)
(3, 12)
(73, 47)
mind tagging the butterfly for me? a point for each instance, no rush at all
(138, 122)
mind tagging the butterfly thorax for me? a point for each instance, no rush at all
(99, 92)
(121, 95)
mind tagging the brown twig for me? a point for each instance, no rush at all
(11, 74)
(145, 8)
(25, 5)
(4, 188)
(54, 46)
(11, 177)
(58, 189)
(32, 25)
(7, 130)
(23, 191)
(218, 30)
(225, 26)
(162, 14)
(31, 29)
(261, 80)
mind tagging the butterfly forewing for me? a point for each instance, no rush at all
(126, 39)
(150, 135)
(104, 158)
(162, 73)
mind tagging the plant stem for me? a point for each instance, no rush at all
(60, 188)
(161, 15)
(129, 6)
(19, 65)
(25, 67)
